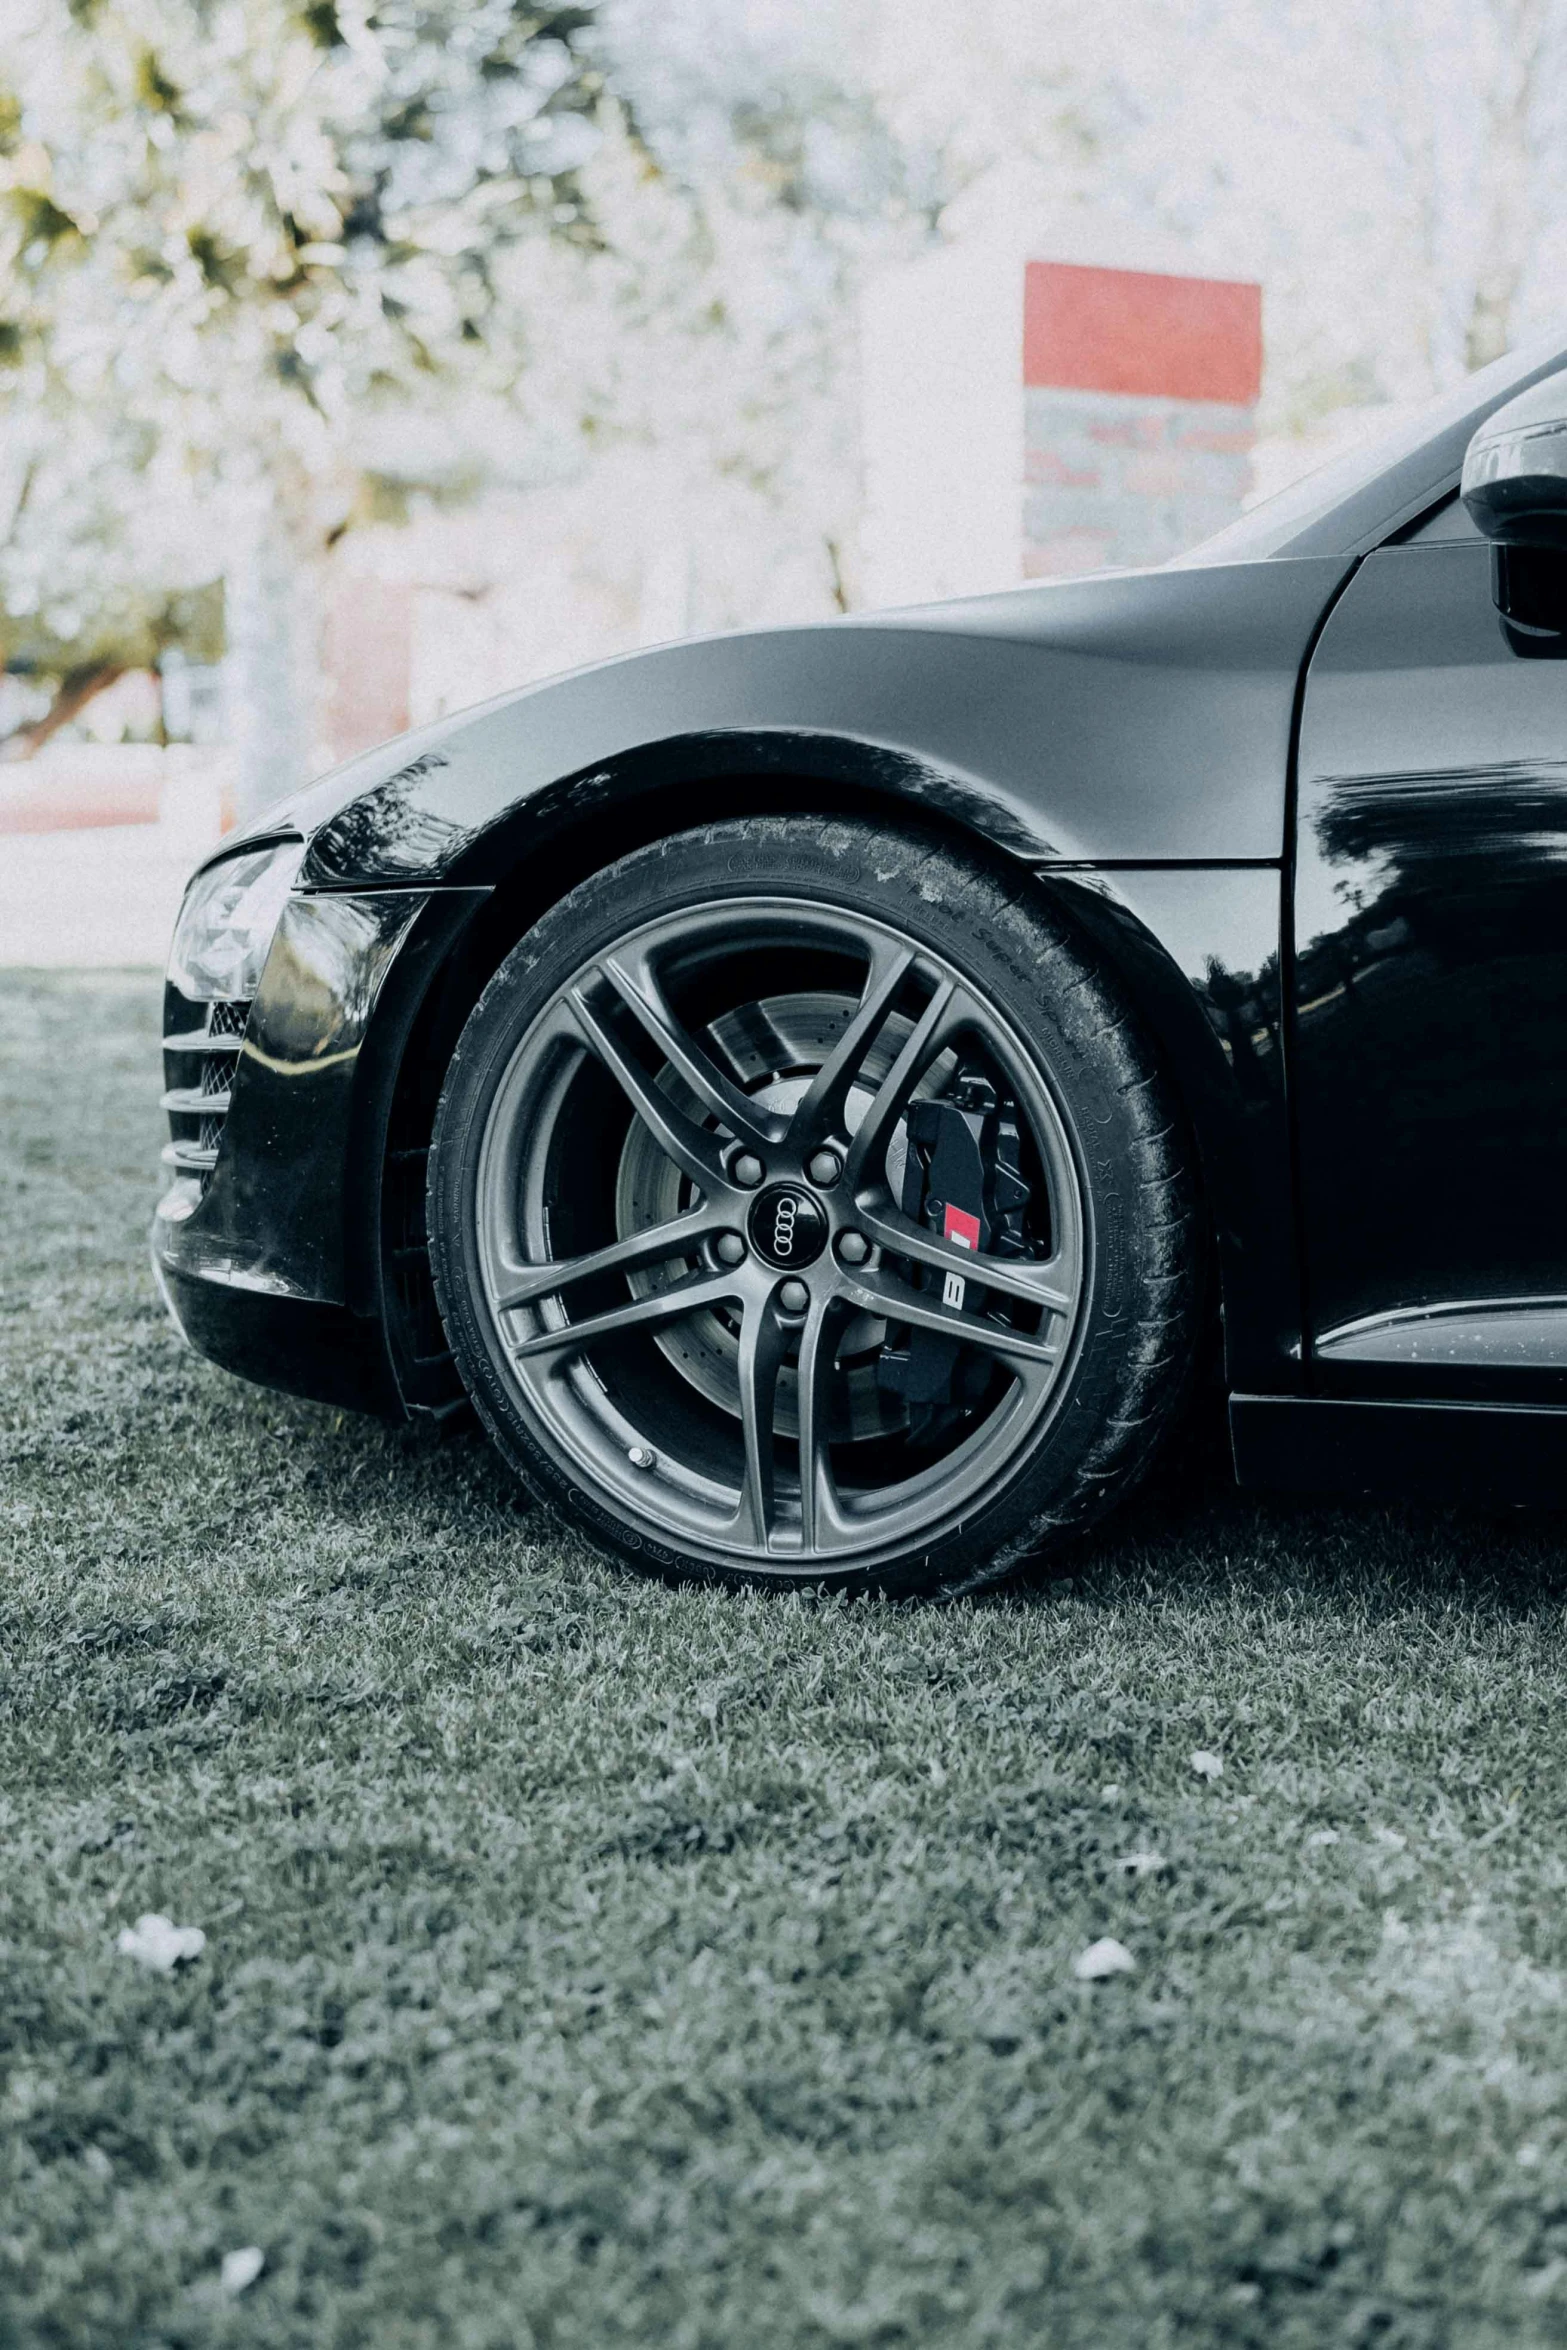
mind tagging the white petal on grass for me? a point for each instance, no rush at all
(1142, 1864)
(1110, 1794)
(1391, 1838)
(158, 1943)
(1107, 1957)
(1206, 1765)
(241, 2268)
(1323, 1836)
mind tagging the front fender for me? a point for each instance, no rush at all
(1195, 953)
(1140, 718)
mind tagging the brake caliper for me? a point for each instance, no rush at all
(962, 1178)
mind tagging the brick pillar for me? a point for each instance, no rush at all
(1139, 412)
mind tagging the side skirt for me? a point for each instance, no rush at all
(1416, 1451)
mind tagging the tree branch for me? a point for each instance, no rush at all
(77, 688)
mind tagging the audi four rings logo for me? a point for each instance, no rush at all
(787, 1227)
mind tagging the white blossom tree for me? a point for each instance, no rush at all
(241, 229)
(716, 329)
(257, 232)
(104, 560)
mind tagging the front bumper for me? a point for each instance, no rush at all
(267, 1247)
(302, 1345)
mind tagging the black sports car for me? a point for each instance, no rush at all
(812, 1091)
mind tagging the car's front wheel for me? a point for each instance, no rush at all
(803, 1210)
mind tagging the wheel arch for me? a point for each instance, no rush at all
(535, 853)
(659, 787)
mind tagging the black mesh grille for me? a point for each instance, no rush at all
(197, 1078)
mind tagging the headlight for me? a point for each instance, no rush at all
(227, 920)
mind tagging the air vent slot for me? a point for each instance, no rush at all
(197, 1103)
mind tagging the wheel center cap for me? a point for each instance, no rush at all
(787, 1227)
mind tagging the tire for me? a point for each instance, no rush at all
(679, 1048)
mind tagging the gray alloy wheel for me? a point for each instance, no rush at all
(676, 1244)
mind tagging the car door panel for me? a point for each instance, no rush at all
(1430, 984)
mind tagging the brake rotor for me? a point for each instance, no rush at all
(774, 1047)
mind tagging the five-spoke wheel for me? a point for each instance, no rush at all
(761, 1216)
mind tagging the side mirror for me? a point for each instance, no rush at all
(1515, 469)
(1515, 490)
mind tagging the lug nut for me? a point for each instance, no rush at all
(729, 1249)
(854, 1248)
(747, 1169)
(641, 1457)
(825, 1168)
(794, 1297)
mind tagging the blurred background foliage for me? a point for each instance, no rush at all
(274, 272)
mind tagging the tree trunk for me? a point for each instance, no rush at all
(77, 688)
(270, 661)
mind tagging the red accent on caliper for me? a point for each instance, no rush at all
(958, 1226)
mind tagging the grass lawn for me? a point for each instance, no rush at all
(590, 1964)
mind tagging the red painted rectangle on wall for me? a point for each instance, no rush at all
(1138, 331)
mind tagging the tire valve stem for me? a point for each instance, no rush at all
(642, 1457)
